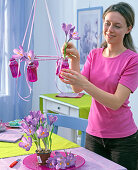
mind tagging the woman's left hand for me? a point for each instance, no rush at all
(73, 78)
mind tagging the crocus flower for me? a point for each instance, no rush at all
(69, 32)
(36, 127)
(20, 54)
(32, 59)
(34, 118)
(52, 119)
(26, 144)
(30, 55)
(38, 115)
(51, 162)
(66, 28)
(31, 121)
(58, 155)
(61, 163)
(68, 163)
(70, 160)
(29, 130)
(28, 119)
(74, 36)
(42, 132)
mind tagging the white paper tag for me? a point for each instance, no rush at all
(39, 159)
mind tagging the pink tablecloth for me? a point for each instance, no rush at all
(93, 161)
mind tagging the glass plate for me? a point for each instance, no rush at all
(31, 162)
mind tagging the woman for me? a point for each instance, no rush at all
(109, 75)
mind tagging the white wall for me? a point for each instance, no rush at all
(65, 11)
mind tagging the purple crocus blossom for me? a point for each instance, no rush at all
(58, 161)
(28, 119)
(61, 163)
(51, 162)
(71, 30)
(66, 28)
(74, 36)
(38, 115)
(20, 54)
(52, 119)
(58, 155)
(26, 144)
(29, 130)
(70, 160)
(34, 118)
(31, 57)
(31, 121)
(42, 132)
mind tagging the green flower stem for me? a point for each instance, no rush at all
(66, 44)
(38, 142)
(45, 143)
(50, 138)
(35, 140)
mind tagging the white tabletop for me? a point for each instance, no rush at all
(93, 161)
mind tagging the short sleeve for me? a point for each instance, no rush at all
(129, 77)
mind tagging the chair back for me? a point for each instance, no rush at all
(72, 123)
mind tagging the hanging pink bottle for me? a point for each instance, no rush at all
(14, 68)
(32, 72)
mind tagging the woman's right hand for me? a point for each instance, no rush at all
(71, 51)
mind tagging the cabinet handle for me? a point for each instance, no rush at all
(58, 108)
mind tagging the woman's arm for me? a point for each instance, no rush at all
(112, 101)
(74, 56)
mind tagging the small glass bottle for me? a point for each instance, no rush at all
(32, 72)
(14, 68)
(64, 64)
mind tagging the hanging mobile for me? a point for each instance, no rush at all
(32, 61)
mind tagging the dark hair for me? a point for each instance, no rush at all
(127, 12)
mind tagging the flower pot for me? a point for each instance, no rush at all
(42, 157)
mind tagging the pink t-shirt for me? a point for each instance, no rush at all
(106, 73)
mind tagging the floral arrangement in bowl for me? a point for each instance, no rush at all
(61, 160)
(38, 129)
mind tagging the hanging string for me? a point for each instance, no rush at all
(52, 30)
(55, 39)
(30, 89)
(32, 26)
(28, 23)
(23, 98)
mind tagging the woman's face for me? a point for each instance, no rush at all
(114, 28)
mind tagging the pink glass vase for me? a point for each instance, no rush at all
(32, 72)
(64, 64)
(14, 68)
